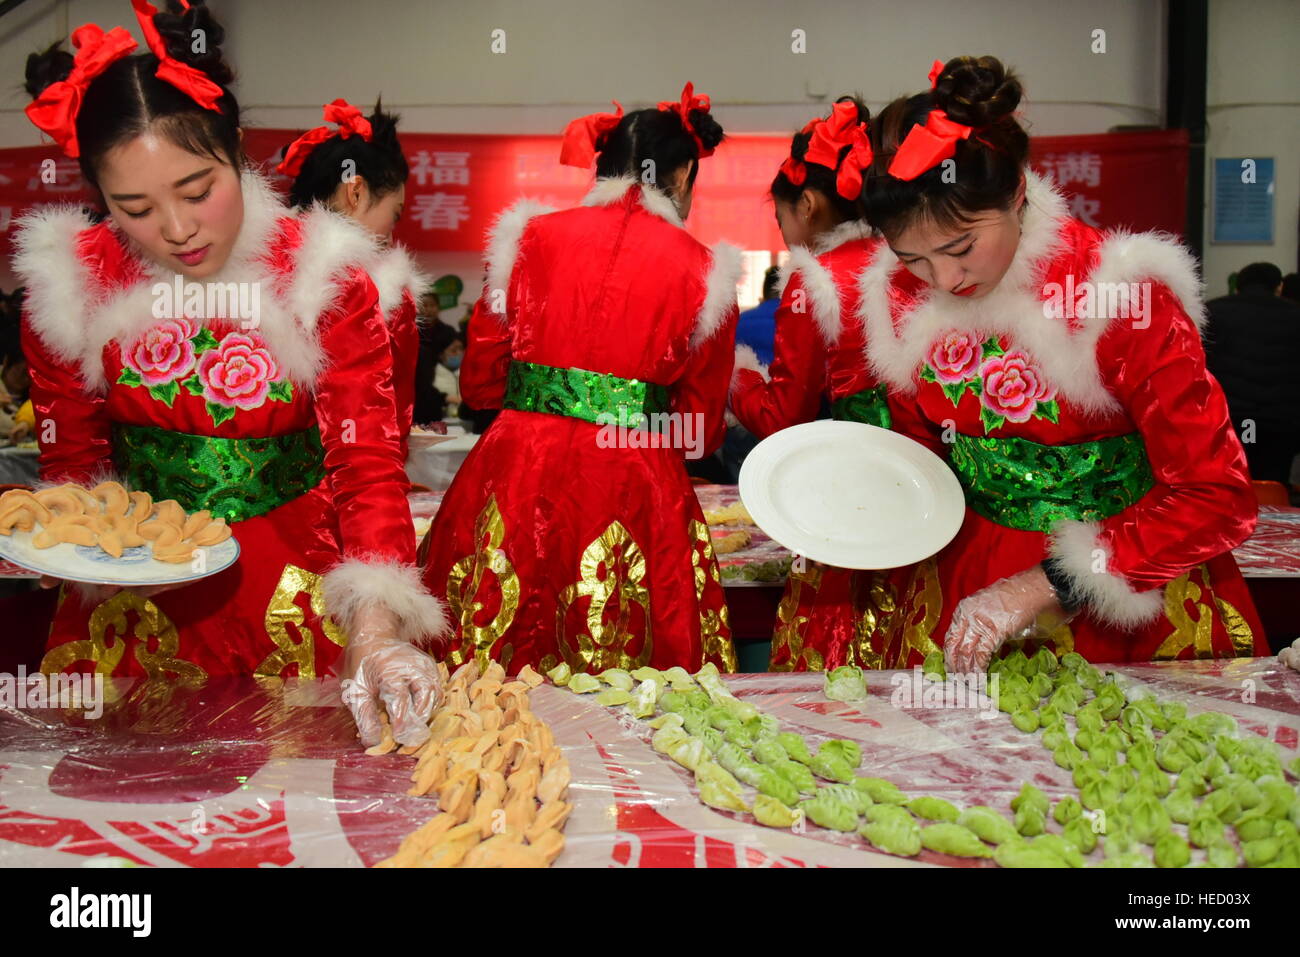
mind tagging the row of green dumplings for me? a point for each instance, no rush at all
(725, 741)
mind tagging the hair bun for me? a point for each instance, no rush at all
(182, 30)
(706, 128)
(46, 68)
(977, 91)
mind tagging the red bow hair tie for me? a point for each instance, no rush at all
(828, 139)
(55, 110)
(578, 145)
(688, 102)
(190, 80)
(925, 147)
(350, 122)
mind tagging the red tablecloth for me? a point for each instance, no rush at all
(268, 773)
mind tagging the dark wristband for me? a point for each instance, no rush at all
(1061, 583)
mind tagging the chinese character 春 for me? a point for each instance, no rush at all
(439, 211)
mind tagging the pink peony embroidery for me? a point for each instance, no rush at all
(238, 372)
(1012, 386)
(164, 353)
(955, 356)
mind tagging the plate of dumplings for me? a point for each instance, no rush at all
(109, 535)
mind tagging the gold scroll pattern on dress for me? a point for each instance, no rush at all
(613, 573)
(1194, 626)
(110, 630)
(788, 652)
(875, 603)
(467, 597)
(715, 626)
(911, 628)
(285, 618)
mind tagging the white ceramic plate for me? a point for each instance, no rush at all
(93, 565)
(852, 495)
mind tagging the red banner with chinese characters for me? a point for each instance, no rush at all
(459, 183)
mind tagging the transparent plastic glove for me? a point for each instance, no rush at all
(1021, 606)
(1291, 656)
(380, 668)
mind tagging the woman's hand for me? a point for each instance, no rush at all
(1024, 604)
(380, 668)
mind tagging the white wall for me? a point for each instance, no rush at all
(433, 62)
(1253, 110)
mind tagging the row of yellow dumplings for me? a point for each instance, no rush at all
(111, 517)
(499, 775)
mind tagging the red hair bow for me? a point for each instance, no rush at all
(350, 122)
(55, 110)
(689, 101)
(830, 136)
(925, 147)
(190, 80)
(578, 145)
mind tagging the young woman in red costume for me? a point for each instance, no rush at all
(1060, 367)
(357, 168)
(565, 539)
(828, 616)
(280, 418)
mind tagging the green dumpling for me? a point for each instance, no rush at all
(988, 825)
(1062, 848)
(795, 747)
(1026, 721)
(1205, 828)
(828, 812)
(828, 767)
(933, 666)
(933, 809)
(1030, 820)
(560, 675)
(846, 683)
(1149, 819)
(613, 696)
(679, 678)
(1023, 854)
(617, 678)
(770, 812)
(1066, 810)
(1045, 661)
(769, 751)
(750, 773)
(796, 774)
(1172, 851)
(880, 791)
(894, 834)
(1031, 796)
(948, 838)
(849, 795)
(719, 789)
(773, 785)
(846, 751)
(1181, 806)
(583, 683)
(1080, 833)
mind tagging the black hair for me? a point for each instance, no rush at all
(659, 136)
(128, 98)
(1291, 286)
(442, 335)
(817, 176)
(1259, 277)
(975, 91)
(381, 162)
(772, 282)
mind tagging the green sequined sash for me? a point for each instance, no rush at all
(1025, 485)
(596, 397)
(233, 478)
(867, 406)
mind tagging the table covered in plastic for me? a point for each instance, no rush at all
(268, 773)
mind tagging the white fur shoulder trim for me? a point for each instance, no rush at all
(395, 272)
(503, 249)
(1078, 551)
(612, 189)
(60, 289)
(747, 358)
(720, 293)
(332, 248)
(1132, 258)
(356, 584)
(823, 296)
(845, 232)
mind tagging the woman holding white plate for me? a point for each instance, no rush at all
(1104, 483)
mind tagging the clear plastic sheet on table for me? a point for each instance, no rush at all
(762, 562)
(268, 773)
(1273, 550)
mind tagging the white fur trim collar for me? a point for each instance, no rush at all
(394, 272)
(896, 345)
(611, 189)
(719, 295)
(503, 250)
(747, 358)
(822, 294)
(845, 232)
(330, 249)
